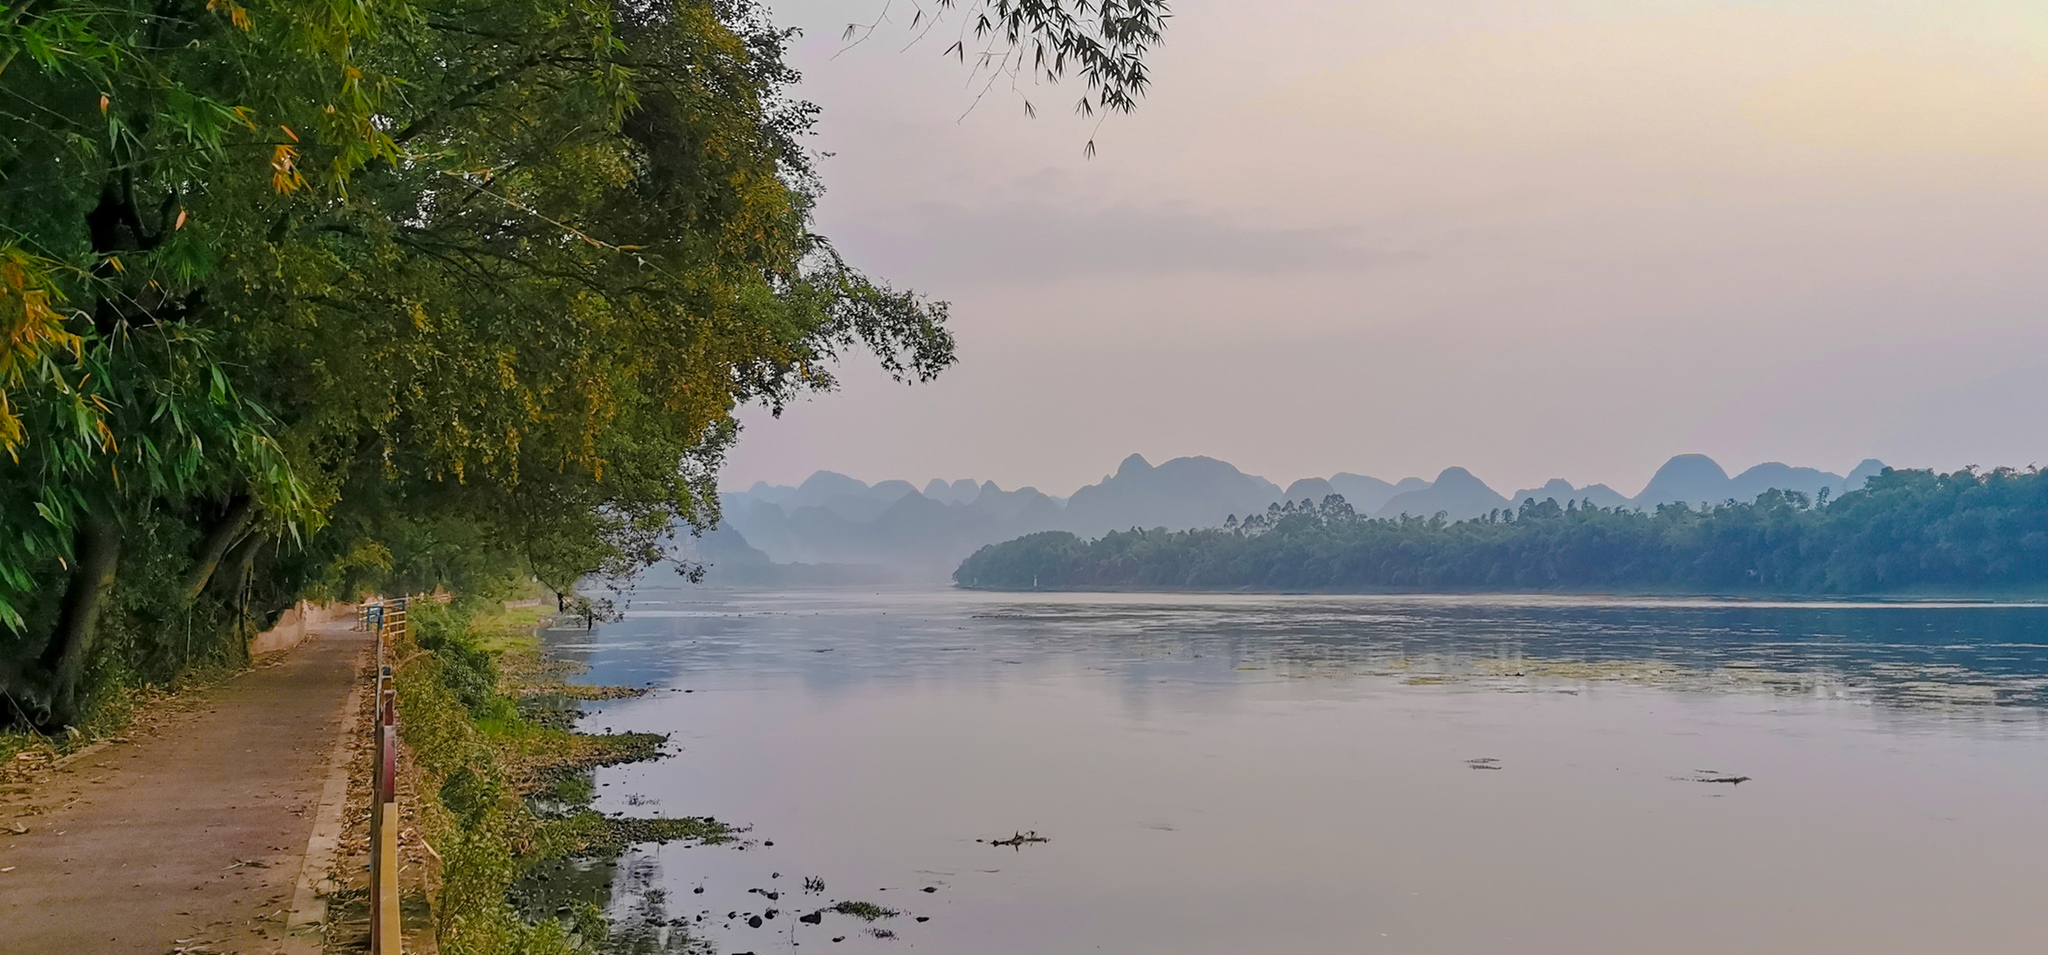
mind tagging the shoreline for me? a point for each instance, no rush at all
(1901, 598)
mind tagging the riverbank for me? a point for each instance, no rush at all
(1904, 532)
(494, 782)
(2018, 597)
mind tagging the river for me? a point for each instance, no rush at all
(1310, 774)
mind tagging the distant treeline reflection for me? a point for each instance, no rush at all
(1905, 531)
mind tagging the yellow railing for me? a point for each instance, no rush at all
(387, 619)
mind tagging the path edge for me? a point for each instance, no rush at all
(306, 926)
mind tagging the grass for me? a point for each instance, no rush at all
(504, 779)
(510, 630)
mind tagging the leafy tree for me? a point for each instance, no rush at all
(1903, 532)
(406, 293)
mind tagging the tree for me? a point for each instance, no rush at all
(1904, 531)
(407, 293)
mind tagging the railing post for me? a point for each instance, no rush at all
(385, 937)
(385, 618)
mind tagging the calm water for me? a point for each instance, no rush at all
(1231, 774)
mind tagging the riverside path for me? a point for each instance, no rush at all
(188, 834)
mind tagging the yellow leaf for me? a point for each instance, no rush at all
(284, 162)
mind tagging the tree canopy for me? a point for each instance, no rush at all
(1968, 532)
(306, 299)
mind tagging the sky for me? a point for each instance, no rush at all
(1535, 240)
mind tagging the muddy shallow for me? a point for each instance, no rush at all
(1317, 774)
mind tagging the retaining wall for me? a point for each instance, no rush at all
(293, 625)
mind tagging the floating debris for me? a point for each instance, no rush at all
(1014, 842)
(1483, 762)
(1712, 776)
(865, 911)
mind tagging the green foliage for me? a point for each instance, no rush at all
(469, 796)
(393, 295)
(476, 819)
(466, 670)
(1104, 41)
(1904, 532)
(507, 793)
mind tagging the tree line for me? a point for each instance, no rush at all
(1905, 531)
(308, 299)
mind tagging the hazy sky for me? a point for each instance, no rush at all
(1535, 239)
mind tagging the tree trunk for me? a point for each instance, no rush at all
(240, 512)
(78, 619)
(245, 572)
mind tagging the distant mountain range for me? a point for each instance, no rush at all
(836, 528)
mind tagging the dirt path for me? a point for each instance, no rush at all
(188, 836)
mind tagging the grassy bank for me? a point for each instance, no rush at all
(500, 782)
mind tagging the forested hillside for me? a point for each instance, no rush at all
(1903, 532)
(832, 518)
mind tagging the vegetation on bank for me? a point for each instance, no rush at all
(503, 782)
(502, 779)
(1904, 532)
(303, 300)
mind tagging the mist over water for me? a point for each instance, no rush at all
(1323, 774)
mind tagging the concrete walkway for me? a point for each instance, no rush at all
(188, 836)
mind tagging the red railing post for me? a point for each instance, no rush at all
(385, 934)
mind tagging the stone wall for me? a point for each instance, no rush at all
(294, 624)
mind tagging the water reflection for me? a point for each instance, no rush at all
(1991, 659)
(1249, 773)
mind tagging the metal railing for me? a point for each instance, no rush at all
(386, 619)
